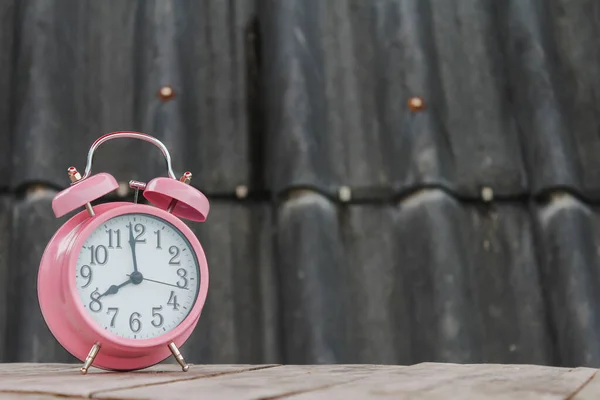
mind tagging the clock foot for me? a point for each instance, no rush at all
(90, 358)
(178, 357)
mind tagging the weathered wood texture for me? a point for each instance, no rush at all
(471, 229)
(422, 381)
(591, 390)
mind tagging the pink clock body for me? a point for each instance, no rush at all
(76, 274)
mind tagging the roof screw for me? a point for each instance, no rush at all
(166, 93)
(123, 189)
(344, 194)
(241, 191)
(416, 104)
(487, 194)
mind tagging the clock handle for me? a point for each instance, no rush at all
(129, 135)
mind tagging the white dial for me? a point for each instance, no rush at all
(137, 276)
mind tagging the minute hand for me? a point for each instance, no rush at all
(132, 245)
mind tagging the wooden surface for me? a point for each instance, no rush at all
(298, 382)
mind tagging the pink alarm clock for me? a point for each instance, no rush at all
(121, 285)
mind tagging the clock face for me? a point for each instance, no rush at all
(137, 276)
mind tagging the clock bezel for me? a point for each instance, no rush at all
(105, 335)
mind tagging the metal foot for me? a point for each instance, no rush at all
(178, 357)
(90, 358)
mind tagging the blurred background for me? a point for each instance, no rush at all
(391, 181)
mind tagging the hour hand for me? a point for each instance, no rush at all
(114, 289)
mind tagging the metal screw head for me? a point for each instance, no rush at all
(166, 93)
(345, 194)
(241, 191)
(416, 104)
(487, 194)
(123, 189)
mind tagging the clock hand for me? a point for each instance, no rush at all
(113, 289)
(132, 245)
(163, 283)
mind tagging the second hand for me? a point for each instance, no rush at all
(164, 283)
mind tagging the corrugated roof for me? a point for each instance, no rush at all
(465, 231)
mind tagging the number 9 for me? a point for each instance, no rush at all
(87, 275)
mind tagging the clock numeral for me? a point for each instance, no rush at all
(99, 254)
(134, 322)
(86, 272)
(157, 233)
(174, 251)
(95, 304)
(173, 301)
(116, 311)
(155, 313)
(182, 274)
(117, 234)
(140, 229)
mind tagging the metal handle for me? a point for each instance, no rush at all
(130, 135)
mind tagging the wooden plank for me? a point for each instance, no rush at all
(263, 383)
(66, 382)
(20, 369)
(591, 390)
(429, 381)
(31, 396)
(432, 381)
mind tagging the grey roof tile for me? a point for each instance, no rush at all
(301, 98)
(7, 20)
(88, 68)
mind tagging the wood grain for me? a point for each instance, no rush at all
(258, 384)
(591, 391)
(453, 381)
(426, 381)
(31, 396)
(22, 369)
(69, 382)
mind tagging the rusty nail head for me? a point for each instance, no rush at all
(166, 93)
(416, 104)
